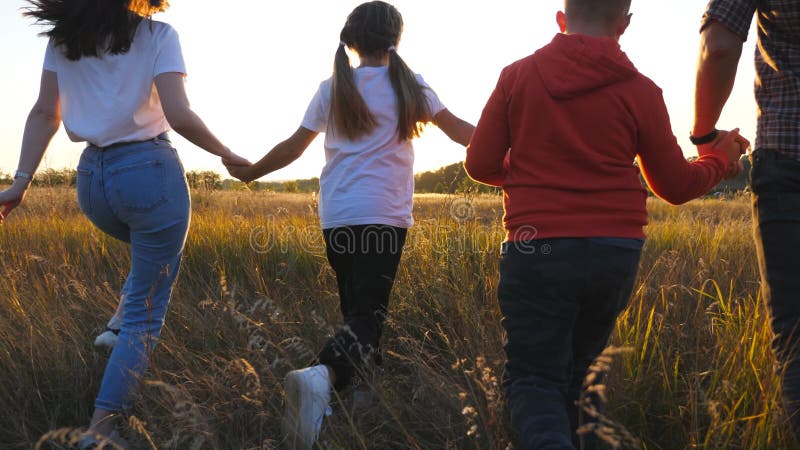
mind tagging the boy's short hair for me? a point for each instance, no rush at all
(597, 11)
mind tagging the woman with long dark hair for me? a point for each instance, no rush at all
(116, 79)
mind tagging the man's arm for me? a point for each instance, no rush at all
(720, 50)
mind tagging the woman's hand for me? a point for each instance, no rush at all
(11, 198)
(232, 159)
(242, 173)
(237, 166)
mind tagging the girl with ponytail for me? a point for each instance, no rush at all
(116, 80)
(370, 115)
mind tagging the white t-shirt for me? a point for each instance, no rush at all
(112, 98)
(369, 180)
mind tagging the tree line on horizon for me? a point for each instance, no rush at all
(451, 179)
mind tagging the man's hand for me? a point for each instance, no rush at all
(736, 168)
(733, 145)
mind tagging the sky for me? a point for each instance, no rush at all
(254, 66)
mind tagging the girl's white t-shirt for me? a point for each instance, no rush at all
(112, 98)
(369, 180)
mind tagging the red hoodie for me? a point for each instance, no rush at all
(560, 134)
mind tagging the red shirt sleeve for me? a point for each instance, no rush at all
(662, 162)
(491, 141)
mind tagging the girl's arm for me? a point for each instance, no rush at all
(43, 122)
(279, 157)
(456, 129)
(172, 90)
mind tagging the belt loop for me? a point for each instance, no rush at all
(162, 137)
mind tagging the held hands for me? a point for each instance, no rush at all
(732, 145)
(242, 173)
(11, 198)
(237, 166)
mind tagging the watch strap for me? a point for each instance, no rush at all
(706, 139)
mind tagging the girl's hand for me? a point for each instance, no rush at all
(237, 166)
(240, 172)
(11, 198)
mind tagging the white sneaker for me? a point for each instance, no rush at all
(107, 339)
(308, 394)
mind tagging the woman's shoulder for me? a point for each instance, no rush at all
(157, 29)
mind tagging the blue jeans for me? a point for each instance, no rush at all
(776, 218)
(560, 299)
(138, 194)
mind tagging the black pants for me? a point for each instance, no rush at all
(560, 299)
(776, 211)
(365, 259)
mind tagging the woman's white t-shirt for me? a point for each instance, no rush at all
(369, 180)
(112, 98)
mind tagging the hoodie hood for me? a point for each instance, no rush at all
(575, 64)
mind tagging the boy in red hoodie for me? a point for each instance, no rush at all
(560, 134)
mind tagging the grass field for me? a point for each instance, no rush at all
(256, 299)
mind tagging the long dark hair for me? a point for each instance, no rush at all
(92, 27)
(373, 29)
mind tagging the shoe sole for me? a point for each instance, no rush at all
(291, 418)
(104, 344)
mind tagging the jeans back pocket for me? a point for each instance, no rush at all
(140, 187)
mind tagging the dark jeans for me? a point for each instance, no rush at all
(560, 299)
(776, 214)
(365, 259)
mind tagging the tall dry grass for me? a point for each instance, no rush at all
(256, 299)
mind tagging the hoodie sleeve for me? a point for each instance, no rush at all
(491, 141)
(661, 159)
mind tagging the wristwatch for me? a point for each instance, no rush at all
(23, 175)
(707, 139)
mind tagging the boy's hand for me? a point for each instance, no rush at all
(733, 145)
